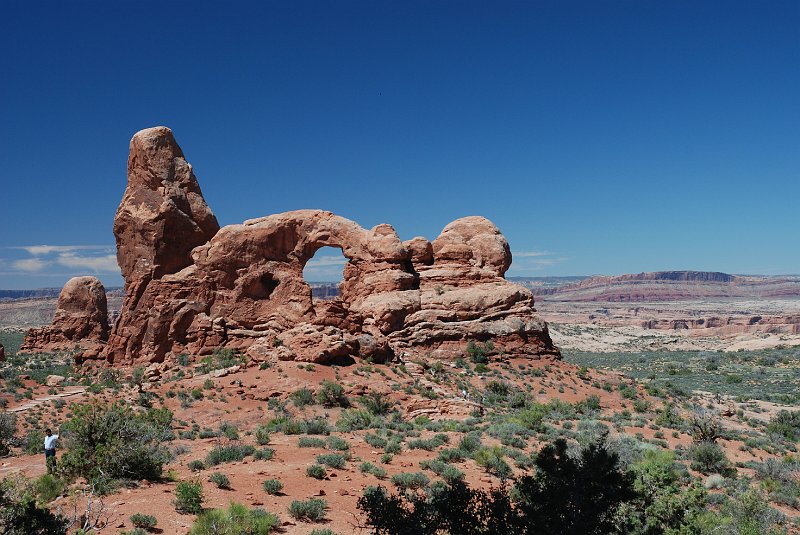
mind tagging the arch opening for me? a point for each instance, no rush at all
(324, 272)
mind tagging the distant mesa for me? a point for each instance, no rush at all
(668, 286)
(81, 320)
(192, 287)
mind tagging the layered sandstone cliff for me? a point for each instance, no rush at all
(192, 287)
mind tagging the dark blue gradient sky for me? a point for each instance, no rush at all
(601, 137)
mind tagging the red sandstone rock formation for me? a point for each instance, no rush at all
(194, 287)
(81, 320)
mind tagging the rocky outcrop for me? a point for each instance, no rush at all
(81, 320)
(2, 353)
(731, 325)
(195, 288)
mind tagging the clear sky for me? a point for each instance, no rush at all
(601, 137)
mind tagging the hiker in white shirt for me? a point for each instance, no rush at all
(50, 450)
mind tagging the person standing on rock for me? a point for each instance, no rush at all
(50, 450)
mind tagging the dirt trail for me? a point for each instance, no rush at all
(68, 392)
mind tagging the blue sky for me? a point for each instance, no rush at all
(601, 137)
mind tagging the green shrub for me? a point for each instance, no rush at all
(229, 453)
(410, 480)
(369, 468)
(491, 460)
(316, 471)
(709, 458)
(272, 486)
(196, 465)
(317, 426)
(375, 441)
(264, 454)
(111, 441)
(220, 480)
(310, 442)
(236, 520)
(312, 510)
(338, 443)
(333, 460)
(8, 429)
(469, 443)
(376, 403)
(143, 521)
(229, 431)
(332, 394)
(479, 354)
(34, 441)
(532, 417)
(189, 497)
(21, 515)
(48, 488)
(786, 424)
(262, 435)
(354, 420)
(302, 397)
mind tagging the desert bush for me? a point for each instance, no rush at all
(427, 444)
(469, 443)
(272, 486)
(532, 416)
(264, 454)
(369, 468)
(228, 430)
(332, 460)
(570, 495)
(144, 521)
(237, 519)
(8, 429)
(262, 435)
(220, 480)
(316, 471)
(337, 443)
(705, 425)
(312, 510)
(446, 471)
(317, 426)
(189, 497)
(107, 442)
(376, 403)
(709, 458)
(310, 442)
(34, 441)
(196, 465)
(668, 416)
(375, 441)
(21, 515)
(229, 453)
(332, 394)
(491, 460)
(410, 480)
(48, 488)
(479, 354)
(353, 420)
(302, 397)
(786, 424)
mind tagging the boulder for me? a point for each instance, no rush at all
(81, 319)
(54, 380)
